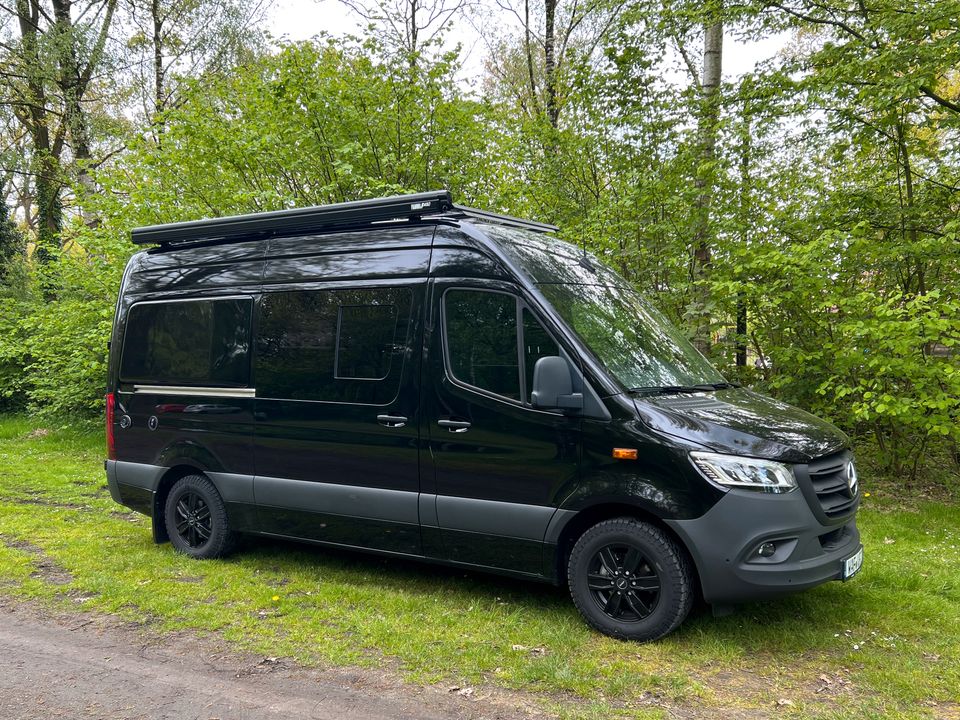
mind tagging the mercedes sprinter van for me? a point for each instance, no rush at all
(418, 379)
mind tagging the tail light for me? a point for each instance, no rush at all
(111, 442)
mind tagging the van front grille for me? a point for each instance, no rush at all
(828, 476)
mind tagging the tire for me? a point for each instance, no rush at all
(194, 498)
(630, 580)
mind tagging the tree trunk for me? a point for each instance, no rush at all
(413, 35)
(745, 202)
(707, 137)
(550, 63)
(159, 98)
(71, 85)
(33, 115)
(908, 219)
(528, 48)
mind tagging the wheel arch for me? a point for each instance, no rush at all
(167, 481)
(576, 524)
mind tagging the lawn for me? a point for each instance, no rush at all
(886, 644)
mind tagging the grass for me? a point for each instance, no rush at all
(885, 645)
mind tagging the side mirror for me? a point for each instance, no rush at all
(553, 386)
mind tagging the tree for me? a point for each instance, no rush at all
(408, 27)
(311, 124)
(174, 41)
(851, 281)
(49, 64)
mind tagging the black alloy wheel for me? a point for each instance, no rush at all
(623, 583)
(630, 579)
(196, 519)
(193, 522)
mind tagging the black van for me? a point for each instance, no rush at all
(418, 379)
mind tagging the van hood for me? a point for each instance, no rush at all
(741, 422)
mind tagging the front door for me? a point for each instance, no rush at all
(499, 467)
(337, 413)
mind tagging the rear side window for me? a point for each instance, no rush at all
(192, 343)
(365, 336)
(332, 345)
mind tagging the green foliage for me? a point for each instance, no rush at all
(12, 243)
(847, 345)
(55, 325)
(65, 350)
(314, 123)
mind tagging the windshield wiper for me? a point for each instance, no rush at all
(678, 389)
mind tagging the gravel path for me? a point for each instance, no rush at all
(92, 667)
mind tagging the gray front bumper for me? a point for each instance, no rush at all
(724, 543)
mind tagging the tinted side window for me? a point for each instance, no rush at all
(330, 345)
(481, 333)
(195, 342)
(536, 344)
(365, 341)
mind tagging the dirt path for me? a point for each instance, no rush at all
(94, 667)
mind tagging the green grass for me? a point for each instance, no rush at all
(885, 645)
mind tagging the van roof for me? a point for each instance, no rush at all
(408, 209)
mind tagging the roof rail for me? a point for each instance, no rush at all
(240, 227)
(468, 212)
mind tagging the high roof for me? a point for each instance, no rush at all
(400, 209)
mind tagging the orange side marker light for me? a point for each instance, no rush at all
(625, 453)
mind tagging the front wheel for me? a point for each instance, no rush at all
(196, 519)
(629, 579)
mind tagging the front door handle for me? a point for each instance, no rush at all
(456, 426)
(392, 421)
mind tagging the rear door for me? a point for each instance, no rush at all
(184, 398)
(337, 411)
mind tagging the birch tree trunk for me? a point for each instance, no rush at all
(707, 152)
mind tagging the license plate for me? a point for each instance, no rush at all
(852, 565)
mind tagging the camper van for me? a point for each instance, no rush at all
(413, 378)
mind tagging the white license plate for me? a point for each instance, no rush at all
(852, 565)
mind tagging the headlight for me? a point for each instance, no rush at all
(744, 472)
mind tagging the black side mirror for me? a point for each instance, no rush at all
(553, 386)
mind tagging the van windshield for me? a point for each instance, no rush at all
(630, 338)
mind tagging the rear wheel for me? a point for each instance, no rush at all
(196, 519)
(629, 579)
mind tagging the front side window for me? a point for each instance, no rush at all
(537, 343)
(189, 343)
(482, 340)
(487, 348)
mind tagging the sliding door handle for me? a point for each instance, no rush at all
(456, 426)
(392, 421)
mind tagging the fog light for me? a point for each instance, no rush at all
(767, 550)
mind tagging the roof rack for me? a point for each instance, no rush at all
(411, 208)
(282, 222)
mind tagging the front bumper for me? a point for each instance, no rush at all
(724, 543)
